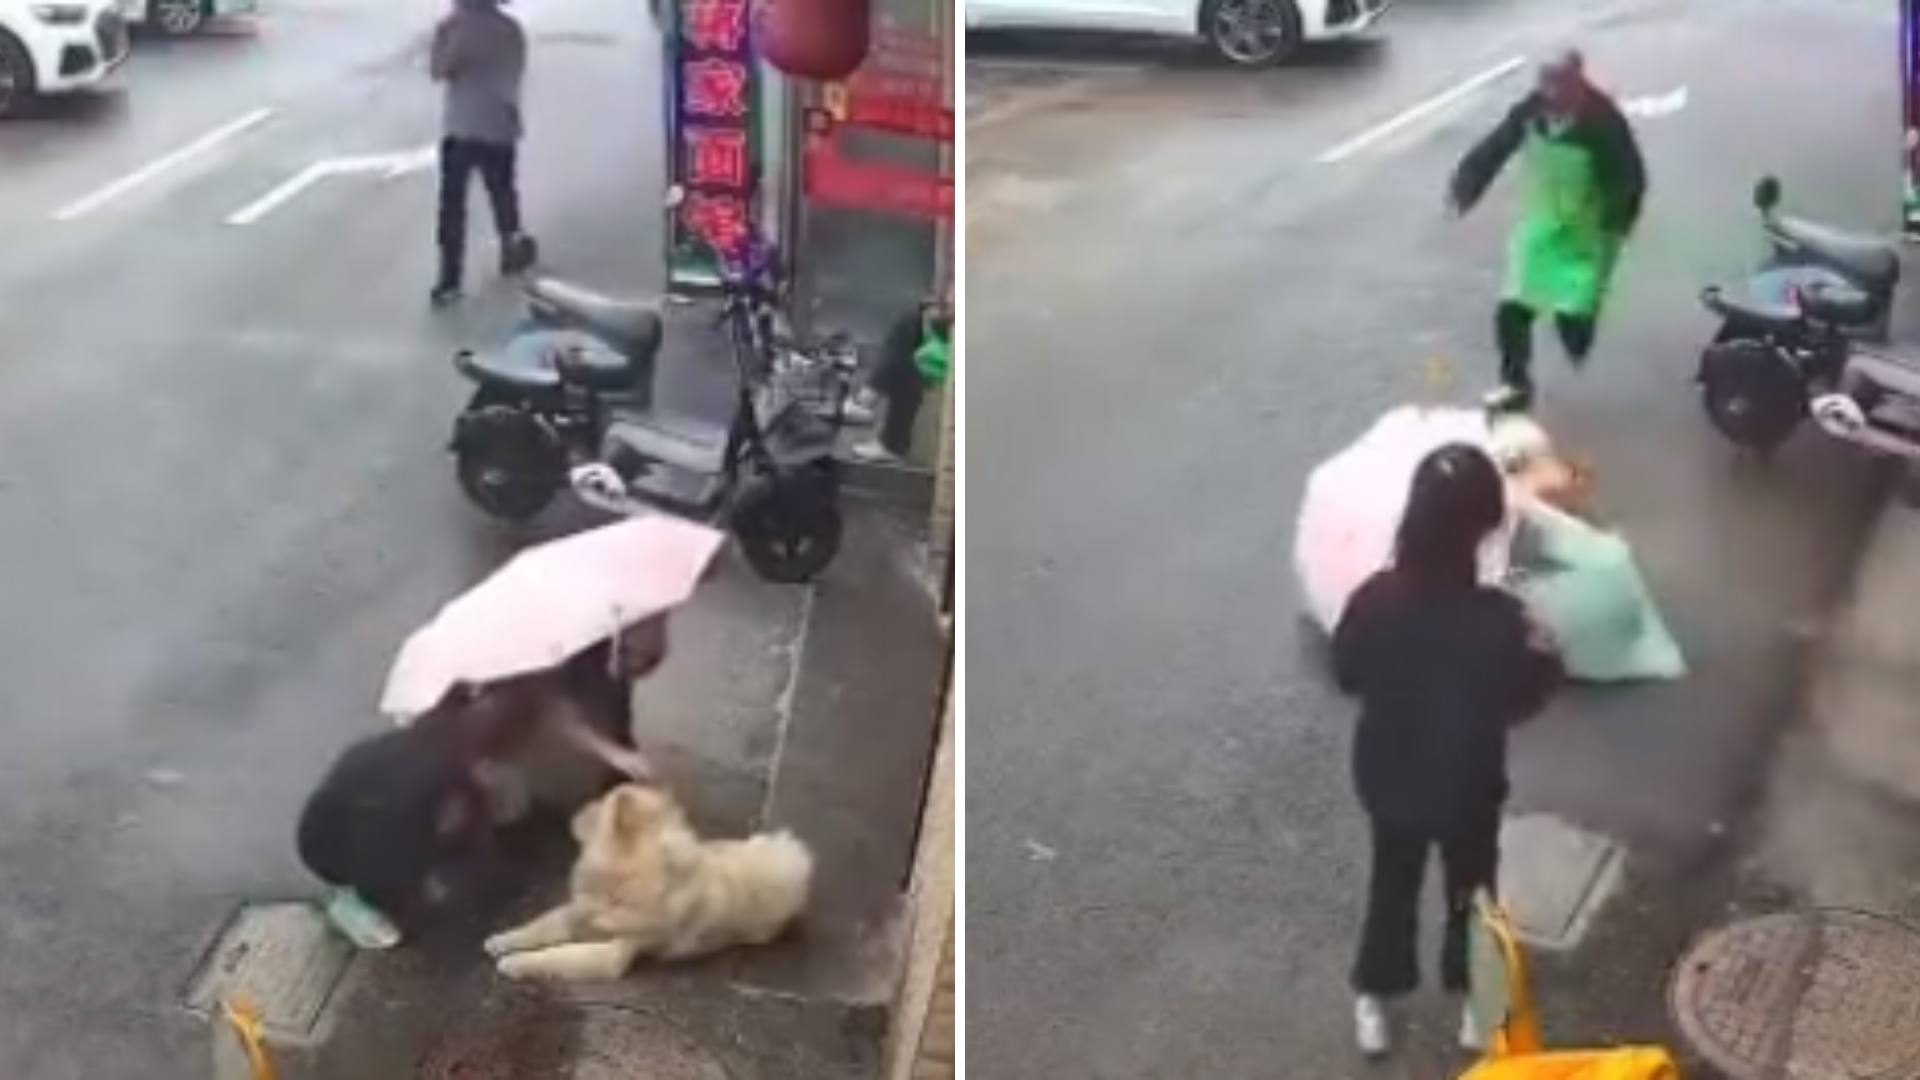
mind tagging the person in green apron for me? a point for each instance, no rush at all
(1586, 181)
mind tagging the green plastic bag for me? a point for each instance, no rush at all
(934, 357)
(1582, 584)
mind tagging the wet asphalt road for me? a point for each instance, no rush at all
(1174, 312)
(223, 494)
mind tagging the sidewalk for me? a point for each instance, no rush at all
(1834, 823)
(838, 751)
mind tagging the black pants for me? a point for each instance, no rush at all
(1387, 965)
(897, 376)
(459, 159)
(1513, 329)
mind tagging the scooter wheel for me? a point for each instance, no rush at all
(789, 526)
(1751, 394)
(508, 464)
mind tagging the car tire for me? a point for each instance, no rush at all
(177, 18)
(17, 80)
(1251, 33)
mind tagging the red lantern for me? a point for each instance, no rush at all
(815, 39)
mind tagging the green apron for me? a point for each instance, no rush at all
(1560, 257)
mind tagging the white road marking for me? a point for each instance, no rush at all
(88, 204)
(390, 165)
(1653, 105)
(1421, 111)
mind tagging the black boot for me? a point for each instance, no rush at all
(518, 253)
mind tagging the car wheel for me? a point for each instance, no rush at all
(178, 18)
(16, 75)
(1251, 33)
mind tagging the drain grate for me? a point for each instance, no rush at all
(1821, 993)
(283, 958)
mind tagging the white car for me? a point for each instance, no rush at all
(183, 18)
(1248, 32)
(56, 47)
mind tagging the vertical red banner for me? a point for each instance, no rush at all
(713, 126)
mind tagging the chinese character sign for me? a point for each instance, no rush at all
(901, 91)
(714, 128)
(1910, 112)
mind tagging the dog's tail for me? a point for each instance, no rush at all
(778, 869)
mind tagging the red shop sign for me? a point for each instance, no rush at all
(834, 181)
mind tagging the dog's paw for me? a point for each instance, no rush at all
(499, 945)
(517, 966)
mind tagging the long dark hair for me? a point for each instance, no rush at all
(1457, 499)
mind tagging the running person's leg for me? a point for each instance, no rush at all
(1577, 334)
(1513, 333)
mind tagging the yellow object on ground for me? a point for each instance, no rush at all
(1516, 1052)
(245, 1022)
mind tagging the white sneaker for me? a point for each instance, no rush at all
(862, 408)
(1472, 1038)
(1370, 1031)
(871, 452)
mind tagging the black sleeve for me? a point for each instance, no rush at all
(606, 699)
(1353, 638)
(1532, 675)
(1622, 173)
(1477, 170)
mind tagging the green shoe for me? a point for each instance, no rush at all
(359, 921)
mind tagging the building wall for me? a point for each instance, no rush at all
(921, 1044)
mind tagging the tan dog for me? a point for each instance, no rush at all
(645, 885)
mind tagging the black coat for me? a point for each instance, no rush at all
(1441, 671)
(1600, 127)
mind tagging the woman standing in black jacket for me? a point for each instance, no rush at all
(1443, 666)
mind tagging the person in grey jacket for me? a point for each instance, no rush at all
(480, 54)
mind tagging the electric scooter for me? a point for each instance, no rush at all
(568, 403)
(1804, 336)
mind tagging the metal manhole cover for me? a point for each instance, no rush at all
(282, 958)
(1805, 995)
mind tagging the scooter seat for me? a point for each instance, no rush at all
(1869, 259)
(527, 362)
(586, 360)
(632, 326)
(1753, 310)
(1836, 302)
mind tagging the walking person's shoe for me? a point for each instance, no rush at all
(518, 253)
(871, 451)
(446, 292)
(863, 407)
(1371, 1031)
(1473, 1038)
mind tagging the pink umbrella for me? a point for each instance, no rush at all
(1354, 501)
(548, 603)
